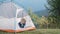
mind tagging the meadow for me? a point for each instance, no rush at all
(37, 31)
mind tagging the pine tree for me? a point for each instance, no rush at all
(54, 11)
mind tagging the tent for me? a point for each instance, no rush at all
(10, 15)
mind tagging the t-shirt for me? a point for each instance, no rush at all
(21, 25)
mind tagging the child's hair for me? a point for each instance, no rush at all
(23, 20)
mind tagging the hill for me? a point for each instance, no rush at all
(42, 12)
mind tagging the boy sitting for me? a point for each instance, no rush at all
(24, 25)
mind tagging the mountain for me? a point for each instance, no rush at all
(42, 12)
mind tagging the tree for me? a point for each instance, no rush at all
(40, 20)
(54, 11)
(34, 17)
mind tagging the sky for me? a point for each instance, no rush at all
(35, 5)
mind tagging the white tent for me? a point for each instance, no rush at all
(10, 15)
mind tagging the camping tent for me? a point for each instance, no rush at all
(10, 15)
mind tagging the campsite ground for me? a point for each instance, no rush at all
(38, 31)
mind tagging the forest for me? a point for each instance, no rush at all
(52, 20)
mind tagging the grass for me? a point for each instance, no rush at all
(38, 31)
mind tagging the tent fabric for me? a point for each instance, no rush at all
(8, 10)
(10, 15)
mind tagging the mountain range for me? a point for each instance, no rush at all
(41, 12)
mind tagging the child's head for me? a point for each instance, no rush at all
(23, 20)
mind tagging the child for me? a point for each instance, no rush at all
(22, 23)
(25, 25)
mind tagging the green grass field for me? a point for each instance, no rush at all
(37, 31)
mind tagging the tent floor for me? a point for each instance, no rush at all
(15, 30)
(11, 30)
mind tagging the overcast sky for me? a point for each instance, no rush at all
(34, 4)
